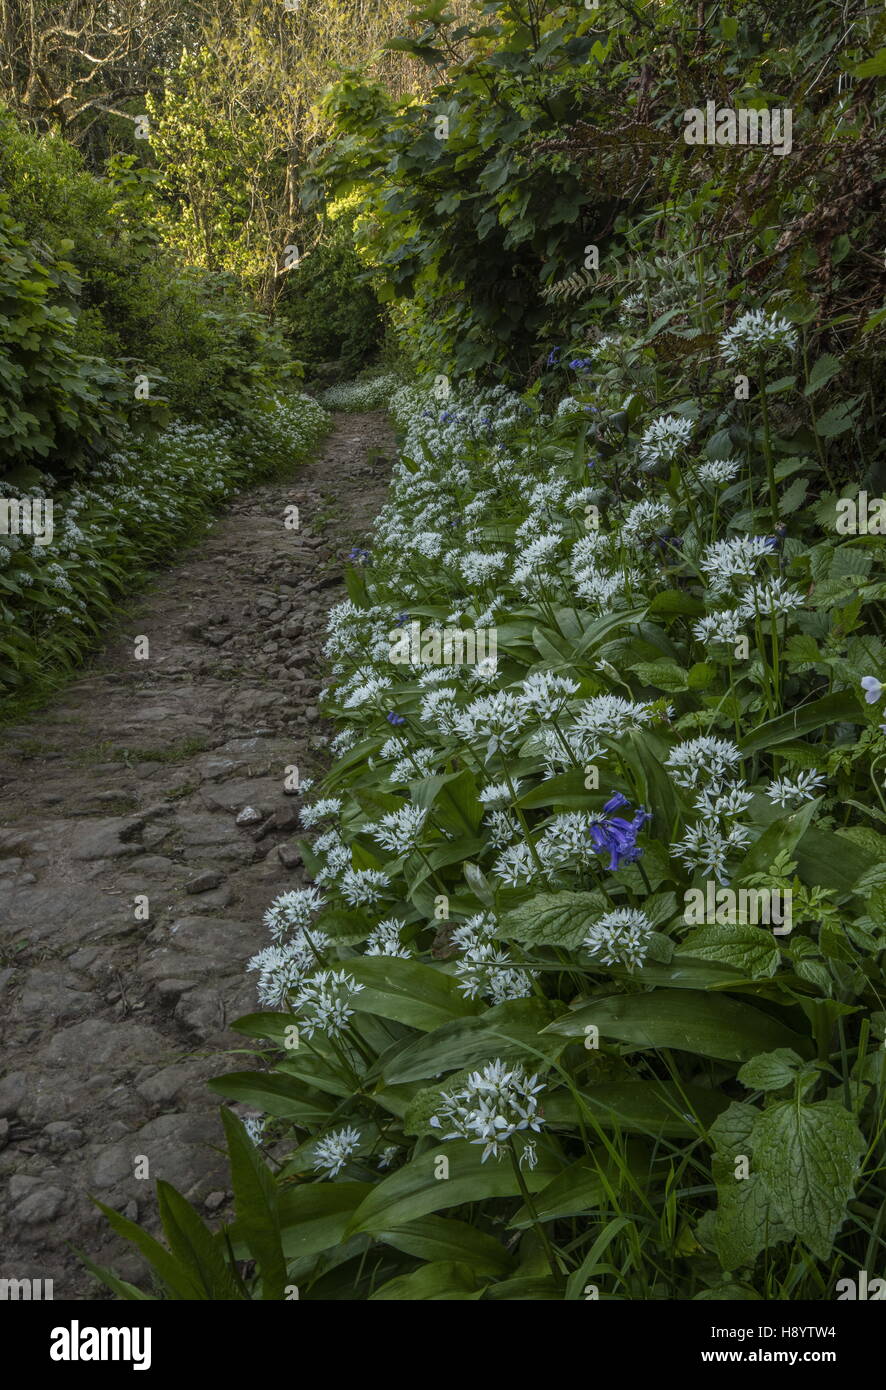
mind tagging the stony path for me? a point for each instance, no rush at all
(159, 778)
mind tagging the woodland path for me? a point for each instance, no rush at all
(133, 781)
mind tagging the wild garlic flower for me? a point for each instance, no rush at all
(384, 940)
(363, 887)
(515, 865)
(282, 969)
(499, 718)
(643, 521)
(610, 716)
(399, 832)
(704, 846)
(756, 331)
(333, 1151)
(725, 803)
(485, 970)
(785, 791)
(478, 568)
(324, 1002)
(663, 439)
(494, 1104)
(309, 815)
(546, 694)
(773, 598)
(702, 759)
(718, 472)
(498, 794)
(723, 626)
(292, 911)
(620, 937)
(732, 559)
(503, 828)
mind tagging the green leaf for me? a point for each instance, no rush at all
(746, 1220)
(181, 1280)
(808, 1157)
(750, 950)
(823, 369)
(710, 1025)
(839, 707)
(771, 1071)
(439, 1238)
(510, 1030)
(553, 919)
(441, 1280)
(659, 1108)
(195, 1246)
(408, 991)
(256, 1206)
(315, 1216)
(414, 1190)
(662, 675)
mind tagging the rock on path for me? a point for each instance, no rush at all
(157, 786)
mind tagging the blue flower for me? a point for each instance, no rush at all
(358, 554)
(580, 364)
(552, 356)
(396, 718)
(402, 618)
(616, 801)
(617, 837)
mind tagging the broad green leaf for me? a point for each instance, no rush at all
(712, 1025)
(256, 1206)
(659, 1108)
(808, 1156)
(440, 1280)
(510, 1030)
(440, 1238)
(408, 991)
(771, 1070)
(750, 950)
(315, 1216)
(415, 1189)
(838, 707)
(195, 1246)
(554, 919)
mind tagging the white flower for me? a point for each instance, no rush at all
(309, 815)
(663, 439)
(757, 331)
(723, 626)
(364, 886)
(384, 940)
(643, 521)
(783, 790)
(774, 597)
(735, 558)
(718, 472)
(701, 758)
(333, 1151)
(292, 911)
(498, 717)
(399, 831)
(546, 694)
(387, 1156)
(873, 689)
(324, 1002)
(491, 1106)
(620, 937)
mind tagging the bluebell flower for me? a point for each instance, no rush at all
(402, 619)
(580, 364)
(618, 837)
(615, 802)
(358, 554)
(552, 356)
(394, 718)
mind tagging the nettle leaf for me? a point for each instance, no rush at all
(771, 1070)
(751, 950)
(662, 675)
(808, 1156)
(553, 919)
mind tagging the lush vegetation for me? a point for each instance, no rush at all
(519, 1040)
